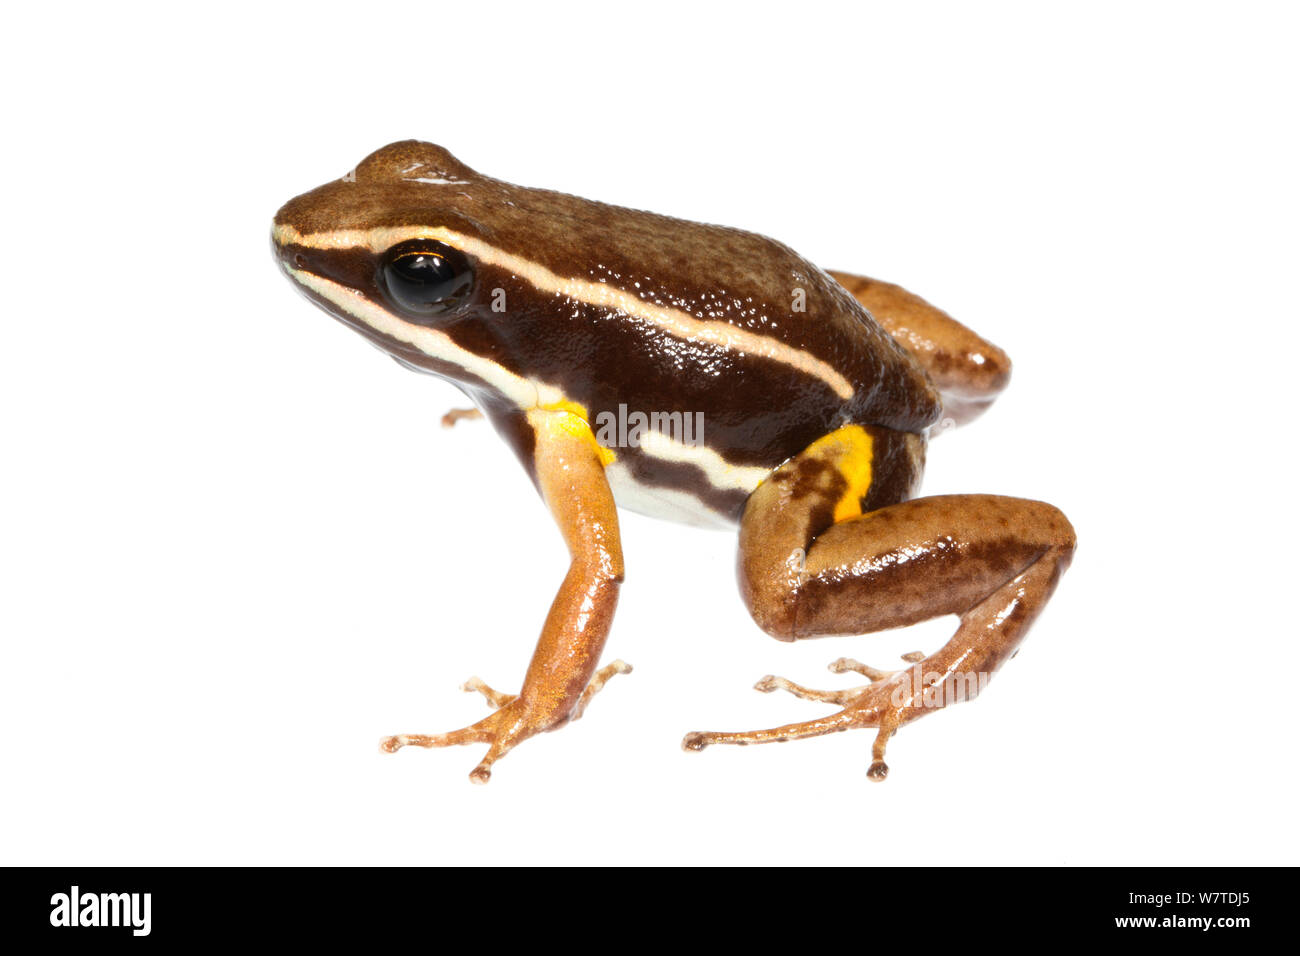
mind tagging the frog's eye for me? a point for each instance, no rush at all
(425, 278)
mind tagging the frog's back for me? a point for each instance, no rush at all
(619, 312)
(773, 350)
(767, 351)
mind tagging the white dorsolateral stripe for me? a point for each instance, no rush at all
(674, 321)
(521, 391)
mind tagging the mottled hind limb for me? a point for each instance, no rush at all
(969, 371)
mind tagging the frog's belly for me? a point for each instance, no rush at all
(657, 501)
(691, 486)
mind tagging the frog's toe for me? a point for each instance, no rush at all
(455, 415)
(868, 706)
(847, 665)
(698, 740)
(695, 740)
(768, 684)
(598, 681)
(502, 730)
(500, 747)
(474, 734)
(494, 697)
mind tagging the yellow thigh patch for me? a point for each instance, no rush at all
(849, 451)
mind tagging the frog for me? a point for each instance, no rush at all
(814, 393)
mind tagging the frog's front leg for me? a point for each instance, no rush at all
(454, 415)
(563, 675)
(812, 564)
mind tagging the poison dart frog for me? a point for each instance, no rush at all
(811, 397)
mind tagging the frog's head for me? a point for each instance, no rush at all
(391, 248)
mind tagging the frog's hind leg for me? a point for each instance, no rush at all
(812, 564)
(968, 370)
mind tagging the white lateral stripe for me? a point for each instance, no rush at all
(429, 341)
(674, 321)
(721, 473)
(669, 504)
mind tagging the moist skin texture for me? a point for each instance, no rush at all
(815, 393)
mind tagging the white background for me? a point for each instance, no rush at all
(238, 549)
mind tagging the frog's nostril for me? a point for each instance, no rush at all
(299, 260)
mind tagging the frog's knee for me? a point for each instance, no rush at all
(1061, 535)
(1042, 526)
(771, 605)
(775, 620)
(1042, 523)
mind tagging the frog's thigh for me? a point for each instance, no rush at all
(810, 566)
(968, 370)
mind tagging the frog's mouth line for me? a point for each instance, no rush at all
(424, 348)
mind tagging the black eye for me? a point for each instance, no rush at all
(427, 278)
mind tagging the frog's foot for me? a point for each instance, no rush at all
(509, 725)
(884, 704)
(455, 415)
